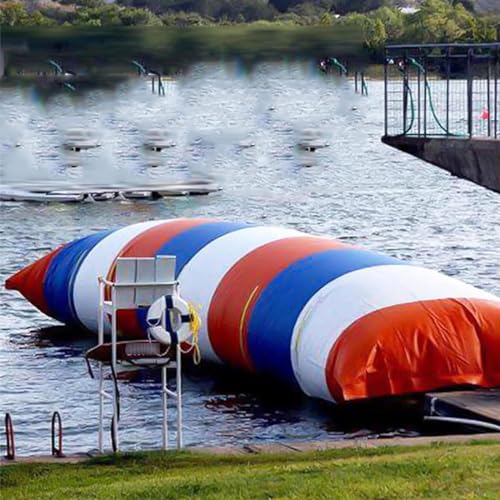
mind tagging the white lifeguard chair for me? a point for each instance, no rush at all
(139, 282)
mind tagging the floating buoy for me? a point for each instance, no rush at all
(339, 322)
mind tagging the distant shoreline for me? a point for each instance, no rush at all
(169, 51)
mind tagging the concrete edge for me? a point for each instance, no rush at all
(283, 448)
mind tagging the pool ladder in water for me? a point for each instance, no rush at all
(56, 436)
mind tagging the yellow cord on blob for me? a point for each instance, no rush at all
(195, 325)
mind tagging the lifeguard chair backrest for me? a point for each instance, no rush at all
(158, 272)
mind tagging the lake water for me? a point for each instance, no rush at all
(357, 190)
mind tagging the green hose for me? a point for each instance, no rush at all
(70, 87)
(339, 65)
(364, 87)
(429, 94)
(56, 66)
(140, 68)
(412, 109)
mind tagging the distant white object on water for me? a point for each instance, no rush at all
(78, 139)
(136, 195)
(310, 140)
(192, 187)
(157, 139)
(246, 144)
(13, 194)
(97, 193)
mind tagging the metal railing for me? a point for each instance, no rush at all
(437, 90)
(56, 431)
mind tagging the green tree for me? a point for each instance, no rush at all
(38, 19)
(371, 28)
(13, 14)
(326, 19)
(393, 21)
(439, 21)
(138, 17)
(184, 19)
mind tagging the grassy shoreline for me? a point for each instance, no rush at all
(439, 470)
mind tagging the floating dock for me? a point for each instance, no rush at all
(474, 405)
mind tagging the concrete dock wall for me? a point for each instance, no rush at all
(477, 159)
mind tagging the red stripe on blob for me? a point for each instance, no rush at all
(147, 244)
(29, 281)
(417, 347)
(233, 301)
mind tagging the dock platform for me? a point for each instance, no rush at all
(482, 405)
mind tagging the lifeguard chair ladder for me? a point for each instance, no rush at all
(138, 283)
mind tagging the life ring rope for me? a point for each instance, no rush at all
(195, 325)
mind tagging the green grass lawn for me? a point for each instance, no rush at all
(441, 471)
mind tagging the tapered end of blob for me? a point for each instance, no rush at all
(29, 281)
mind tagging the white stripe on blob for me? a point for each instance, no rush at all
(98, 263)
(350, 297)
(202, 274)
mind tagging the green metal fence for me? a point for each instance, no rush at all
(440, 90)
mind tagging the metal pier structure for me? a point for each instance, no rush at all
(442, 104)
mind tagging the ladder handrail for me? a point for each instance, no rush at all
(9, 433)
(56, 450)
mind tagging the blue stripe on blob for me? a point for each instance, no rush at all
(61, 274)
(188, 243)
(275, 313)
(185, 246)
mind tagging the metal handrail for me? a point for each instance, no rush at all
(9, 433)
(136, 284)
(463, 421)
(56, 450)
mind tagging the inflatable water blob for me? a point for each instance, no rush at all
(339, 322)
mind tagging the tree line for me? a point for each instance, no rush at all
(380, 21)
